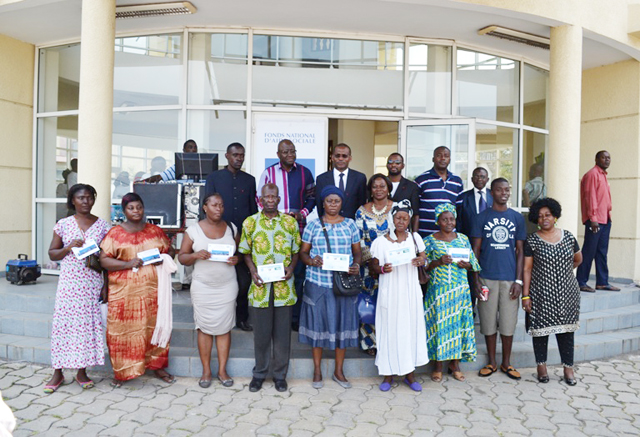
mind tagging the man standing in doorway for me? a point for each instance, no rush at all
(169, 174)
(498, 241)
(238, 191)
(270, 237)
(437, 186)
(351, 182)
(595, 195)
(403, 188)
(297, 198)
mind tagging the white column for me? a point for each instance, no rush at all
(95, 120)
(565, 90)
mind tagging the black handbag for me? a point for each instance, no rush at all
(93, 262)
(344, 284)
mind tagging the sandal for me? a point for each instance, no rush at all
(86, 384)
(371, 352)
(487, 370)
(511, 372)
(50, 388)
(436, 376)
(166, 377)
(457, 374)
(607, 287)
(116, 383)
(587, 289)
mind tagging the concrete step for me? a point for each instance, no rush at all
(186, 361)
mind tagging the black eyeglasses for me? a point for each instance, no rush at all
(392, 161)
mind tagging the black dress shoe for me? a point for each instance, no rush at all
(244, 326)
(570, 381)
(186, 286)
(281, 384)
(295, 326)
(255, 384)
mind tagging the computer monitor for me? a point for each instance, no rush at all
(196, 166)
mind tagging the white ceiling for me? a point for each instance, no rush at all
(51, 21)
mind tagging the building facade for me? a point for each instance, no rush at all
(382, 76)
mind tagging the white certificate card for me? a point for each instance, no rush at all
(150, 256)
(459, 254)
(398, 257)
(221, 252)
(336, 262)
(271, 272)
(87, 249)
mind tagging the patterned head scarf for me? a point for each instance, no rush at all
(402, 206)
(445, 207)
(329, 190)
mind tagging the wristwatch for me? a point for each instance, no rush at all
(518, 281)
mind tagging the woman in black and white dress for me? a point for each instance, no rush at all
(551, 296)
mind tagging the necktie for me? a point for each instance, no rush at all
(341, 183)
(482, 204)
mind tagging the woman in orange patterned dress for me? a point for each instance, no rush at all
(133, 295)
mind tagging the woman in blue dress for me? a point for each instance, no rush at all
(328, 321)
(448, 312)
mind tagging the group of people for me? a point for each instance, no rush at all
(426, 251)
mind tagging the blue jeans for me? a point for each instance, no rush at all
(596, 246)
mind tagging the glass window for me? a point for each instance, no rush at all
(57, 152)
(429, 79)
(148, 71)
(47, 214)
(332, 73)
(487, 86)
(59, 78)
(497, 151)
(144, 144)
(423, 140)
(533, 177)
(536, 82)
(215, 130)
(218, 69)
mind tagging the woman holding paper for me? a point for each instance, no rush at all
(400, 327)
(76, 330)
(373, 221)
(133, 295)
(326, 320)
(210, 246)
(448, 312)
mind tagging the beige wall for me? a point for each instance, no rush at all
(360, 136)
(16, 121)
(610, 121)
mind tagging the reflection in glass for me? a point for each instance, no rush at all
(423, 140)
(487, 86)
(323, 72)
(138, 138)
(215, 130)
(45, 221)
(148, 71)
(217, 69)
(533, 167)
(59, 78)
(496, 150)
(535, 90)
(57, 152)
(429, 79)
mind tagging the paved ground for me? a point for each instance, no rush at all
(606, 402)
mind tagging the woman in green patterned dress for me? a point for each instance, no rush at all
(448, 312)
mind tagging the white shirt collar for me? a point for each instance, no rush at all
(336, 175)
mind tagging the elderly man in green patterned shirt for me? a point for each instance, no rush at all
(270, 237)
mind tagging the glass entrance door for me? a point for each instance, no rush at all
(419, 138)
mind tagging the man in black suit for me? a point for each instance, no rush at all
(472, 202)
(352, 182)
(403, 188)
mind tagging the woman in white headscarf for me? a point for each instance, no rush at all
(400, 325)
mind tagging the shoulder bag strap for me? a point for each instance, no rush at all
(326, 235)
(415, 244)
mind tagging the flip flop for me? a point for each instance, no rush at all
(607, 287)
(116, 383)
(511, 372)
(587, 289)
(487, 370)
(50, 388)
(167, 377)
(85, 385)
(457, 375)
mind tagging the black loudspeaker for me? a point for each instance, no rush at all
(162, 203)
